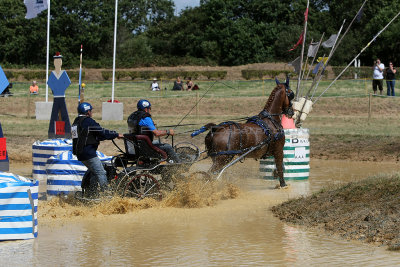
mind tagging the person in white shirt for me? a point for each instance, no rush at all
(377, 77)
(154, 85)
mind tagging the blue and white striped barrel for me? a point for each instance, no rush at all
(296, 157)
(18, 207)
(65, 173)
(42, 151)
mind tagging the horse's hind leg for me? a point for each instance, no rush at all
(279, 167)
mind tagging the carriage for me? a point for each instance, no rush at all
(141, 169)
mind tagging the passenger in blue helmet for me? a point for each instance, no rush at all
(86, 137)
(140, 122)
(143, 103)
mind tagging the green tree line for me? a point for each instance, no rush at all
(218, 32)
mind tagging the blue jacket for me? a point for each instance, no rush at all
(101, 134)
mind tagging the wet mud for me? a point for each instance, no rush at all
(228, 223)
(366, 210)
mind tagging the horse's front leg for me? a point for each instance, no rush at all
(279, 167)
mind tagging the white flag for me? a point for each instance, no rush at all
(34, 7)
(330, 42)
(313, 49)
(296, 64)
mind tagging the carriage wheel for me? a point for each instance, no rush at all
(141, 186)
(187, 152)
(119, 183)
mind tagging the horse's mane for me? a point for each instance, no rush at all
(272, 97)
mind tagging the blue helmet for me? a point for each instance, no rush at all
(143, 103)
(84, 107)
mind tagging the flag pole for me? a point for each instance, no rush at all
(337, 43)
(326, 63)
(348, 27)
(306, 64)
(115, 48)
(47, 50)
(315, 55)
(302, 51)
(80, 76)
(362, 50)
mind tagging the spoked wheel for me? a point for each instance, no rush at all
(187, 152)
(120, 182)
(141, 186)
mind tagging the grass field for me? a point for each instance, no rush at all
(343, 111)
(219, 88)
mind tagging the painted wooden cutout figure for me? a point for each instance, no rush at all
(60, 126)
(4, 163)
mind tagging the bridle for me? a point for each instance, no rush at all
(290, 95)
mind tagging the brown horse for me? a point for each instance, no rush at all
(263, 133)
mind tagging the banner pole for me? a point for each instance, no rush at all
(362, 50)
(115, 48)
(47, 50)
(302, 51)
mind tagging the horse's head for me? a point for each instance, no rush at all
(287, 97)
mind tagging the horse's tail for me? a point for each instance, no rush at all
(202, 129)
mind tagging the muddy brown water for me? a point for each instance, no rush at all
(234, 232)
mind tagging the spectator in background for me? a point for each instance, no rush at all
(154, 86)
(378, 76)
(34, 88)
(390, 78)
(189, 84)
(178, 84)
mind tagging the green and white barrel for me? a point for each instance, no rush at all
(296, 157)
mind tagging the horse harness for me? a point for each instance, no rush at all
(258, 120)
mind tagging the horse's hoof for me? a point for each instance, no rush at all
(285, 186)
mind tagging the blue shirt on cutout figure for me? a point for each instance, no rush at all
(59, 83)
(58, 79)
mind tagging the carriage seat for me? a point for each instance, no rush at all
(143, 147)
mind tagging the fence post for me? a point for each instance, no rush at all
(28, 114)
(197, 105)
(355, 69)
(369, 106)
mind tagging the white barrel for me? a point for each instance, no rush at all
(18, 207)
(65, 173)
(296, 157)
(42, 151)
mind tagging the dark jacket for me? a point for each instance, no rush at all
(99, 134)
(133, 122)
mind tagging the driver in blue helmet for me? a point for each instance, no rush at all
(140, 122)
(86, 137)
